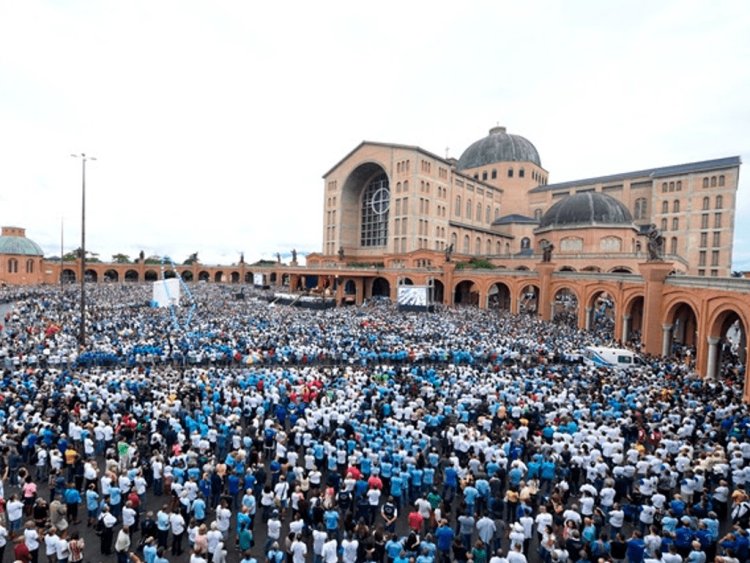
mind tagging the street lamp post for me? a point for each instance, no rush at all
(82, 329)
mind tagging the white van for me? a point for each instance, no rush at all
(618, 358)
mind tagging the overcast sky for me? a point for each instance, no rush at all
(213, 122)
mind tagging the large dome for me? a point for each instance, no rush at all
(499, 146)
(588, 208)
(14, 241)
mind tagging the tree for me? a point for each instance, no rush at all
(121, 259)
(153, 259)
(74, 255)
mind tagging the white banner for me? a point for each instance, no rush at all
(167, 292)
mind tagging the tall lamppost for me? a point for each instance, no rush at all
(82, 329)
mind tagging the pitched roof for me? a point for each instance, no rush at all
(659, 172)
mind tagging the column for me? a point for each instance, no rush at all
(587, 319)
(666, 340)
(713, 354)
(625, 328)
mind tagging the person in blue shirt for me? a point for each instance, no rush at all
(72, 498)
(396, 490)
(444, 536)
(331, 519)
(198, 509)
(393, 548)
(450, 483)
(636, 548)
(92, 504)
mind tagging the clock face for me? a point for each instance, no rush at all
(381, 201)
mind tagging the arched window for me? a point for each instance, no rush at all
(30, 266)
(468, 209)
(12, 266)
(538, 214)
(454, 241)
(679, 185)
(721, 180)
(676, 206)
(664, 187)
(713, 181)
(458, 206)
(525, 243)
(673, 246)
(498, 248)
(479, 212)
(705, 182)
(376, 200)
(665, 207)
(494, 173)
(671, 186)
(484, 175)
(663, 225)
(706, 203)
(467, 244)
(510, 172)
(478, 245)
(676, 224)
(488, 215)
(719, 202)
(521, 173)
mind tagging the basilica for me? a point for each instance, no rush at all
(384, 203)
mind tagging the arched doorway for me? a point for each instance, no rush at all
(91, 276)
(187, 276)
(235, 277)
(681, 328)
(406, 281)
(381, 288)
(219, 277)
(111, 276)
(467, 293)
(204, 276)
(272, 278)
(68, 276)
(498, 297)
(727, 348)
(248, 277)
(528, 301)
(438, 292)
(600, 312)
(150, 276)
(169, 274)
(632, 322)
(131, 276)
(565, 308)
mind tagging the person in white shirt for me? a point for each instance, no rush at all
(177, 524)
(50, 543)
(349, 547)
(299, 550)
(330, 551)
(515, 555)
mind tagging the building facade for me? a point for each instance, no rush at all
(383, 200)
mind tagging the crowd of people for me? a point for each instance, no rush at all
(262, 433)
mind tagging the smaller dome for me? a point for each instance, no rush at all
(588, 208)
(13, 241)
